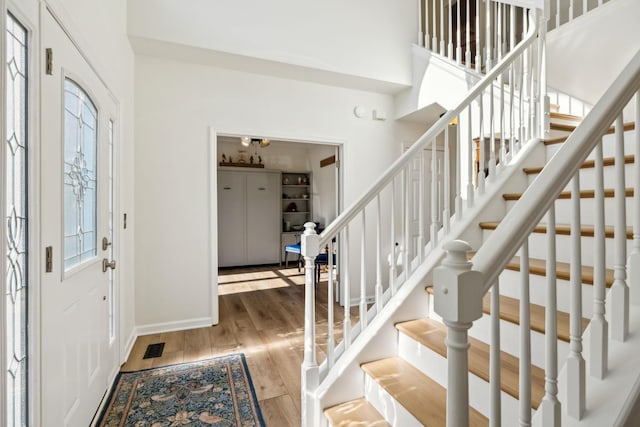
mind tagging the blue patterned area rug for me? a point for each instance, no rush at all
(214, 392)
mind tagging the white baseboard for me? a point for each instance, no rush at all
(157, 328)
(129, 346)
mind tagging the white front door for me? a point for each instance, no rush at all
(78, 351)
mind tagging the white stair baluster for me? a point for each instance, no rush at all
(488, 36)
(468, 38)
(458, 182)
(364, 319)
(446, 211)
(406, 191)
(470, 156)
(393, 257)
(599, 326)
(575, 361)
(550, 406)
(481, 144)
(421, 203)
(434, 196)
(634, 257)
(330, 313)
(512, 83)
(492, 136)
(495, 415)
(420, 33)
(478, 46)
(442, 44)
(619, 293)
(434, 37)
(450, 44)
(525, 339)
(427, 34)
(379, 290)
(405, 219)
(346, 283)
(458, 41)
(571, 11)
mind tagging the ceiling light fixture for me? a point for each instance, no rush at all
(247, 141)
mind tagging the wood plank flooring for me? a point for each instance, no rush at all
(262, 316)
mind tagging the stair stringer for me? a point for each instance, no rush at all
(606, 400)
(345, 381)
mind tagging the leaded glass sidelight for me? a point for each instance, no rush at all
(16, 254)
(80, 164)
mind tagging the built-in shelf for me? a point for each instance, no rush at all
(296, 188)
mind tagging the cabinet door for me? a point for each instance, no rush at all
(231, 219)
(263, 218)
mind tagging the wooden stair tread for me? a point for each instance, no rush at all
(420, 395)
(584, 194)
(562, 127)
(564, 116)
(432, 334)
(569, 128)
(510, 312)
(558, 140)
(358, 412)
(563, 269)
(564, 229)
(588, 164)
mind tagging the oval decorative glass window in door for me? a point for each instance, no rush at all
(80, 178)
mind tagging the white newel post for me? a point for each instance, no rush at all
(458, 299)
(310, 376)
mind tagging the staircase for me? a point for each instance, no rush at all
(530, 322)
(411, 386)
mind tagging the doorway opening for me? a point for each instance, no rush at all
(295, 182)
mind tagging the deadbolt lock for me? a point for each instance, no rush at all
(105, 243)
(108, 265)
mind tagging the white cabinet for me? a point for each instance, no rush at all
(248, 217)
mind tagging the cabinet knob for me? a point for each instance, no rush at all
(261, 189)
(227, 188)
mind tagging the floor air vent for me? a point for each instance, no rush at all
(154, 350)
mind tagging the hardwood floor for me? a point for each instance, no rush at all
(262, 316)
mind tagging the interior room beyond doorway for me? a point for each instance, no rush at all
(295, 183)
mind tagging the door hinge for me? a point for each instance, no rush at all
(49, 61)
(48, 259)
(338, 164)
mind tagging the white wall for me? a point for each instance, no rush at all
(100, 30)
(175, 104)
(369, 38)
(587, 54)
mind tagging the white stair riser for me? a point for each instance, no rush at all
(587, 177)
(435, 366)
(509, 333)
(564, 210)
(510, 286)
(538, 248)
(391, 410)
(608, 146)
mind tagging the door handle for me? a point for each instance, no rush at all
(108, 265)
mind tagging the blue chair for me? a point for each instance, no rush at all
(294, 249)
(323, 259)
